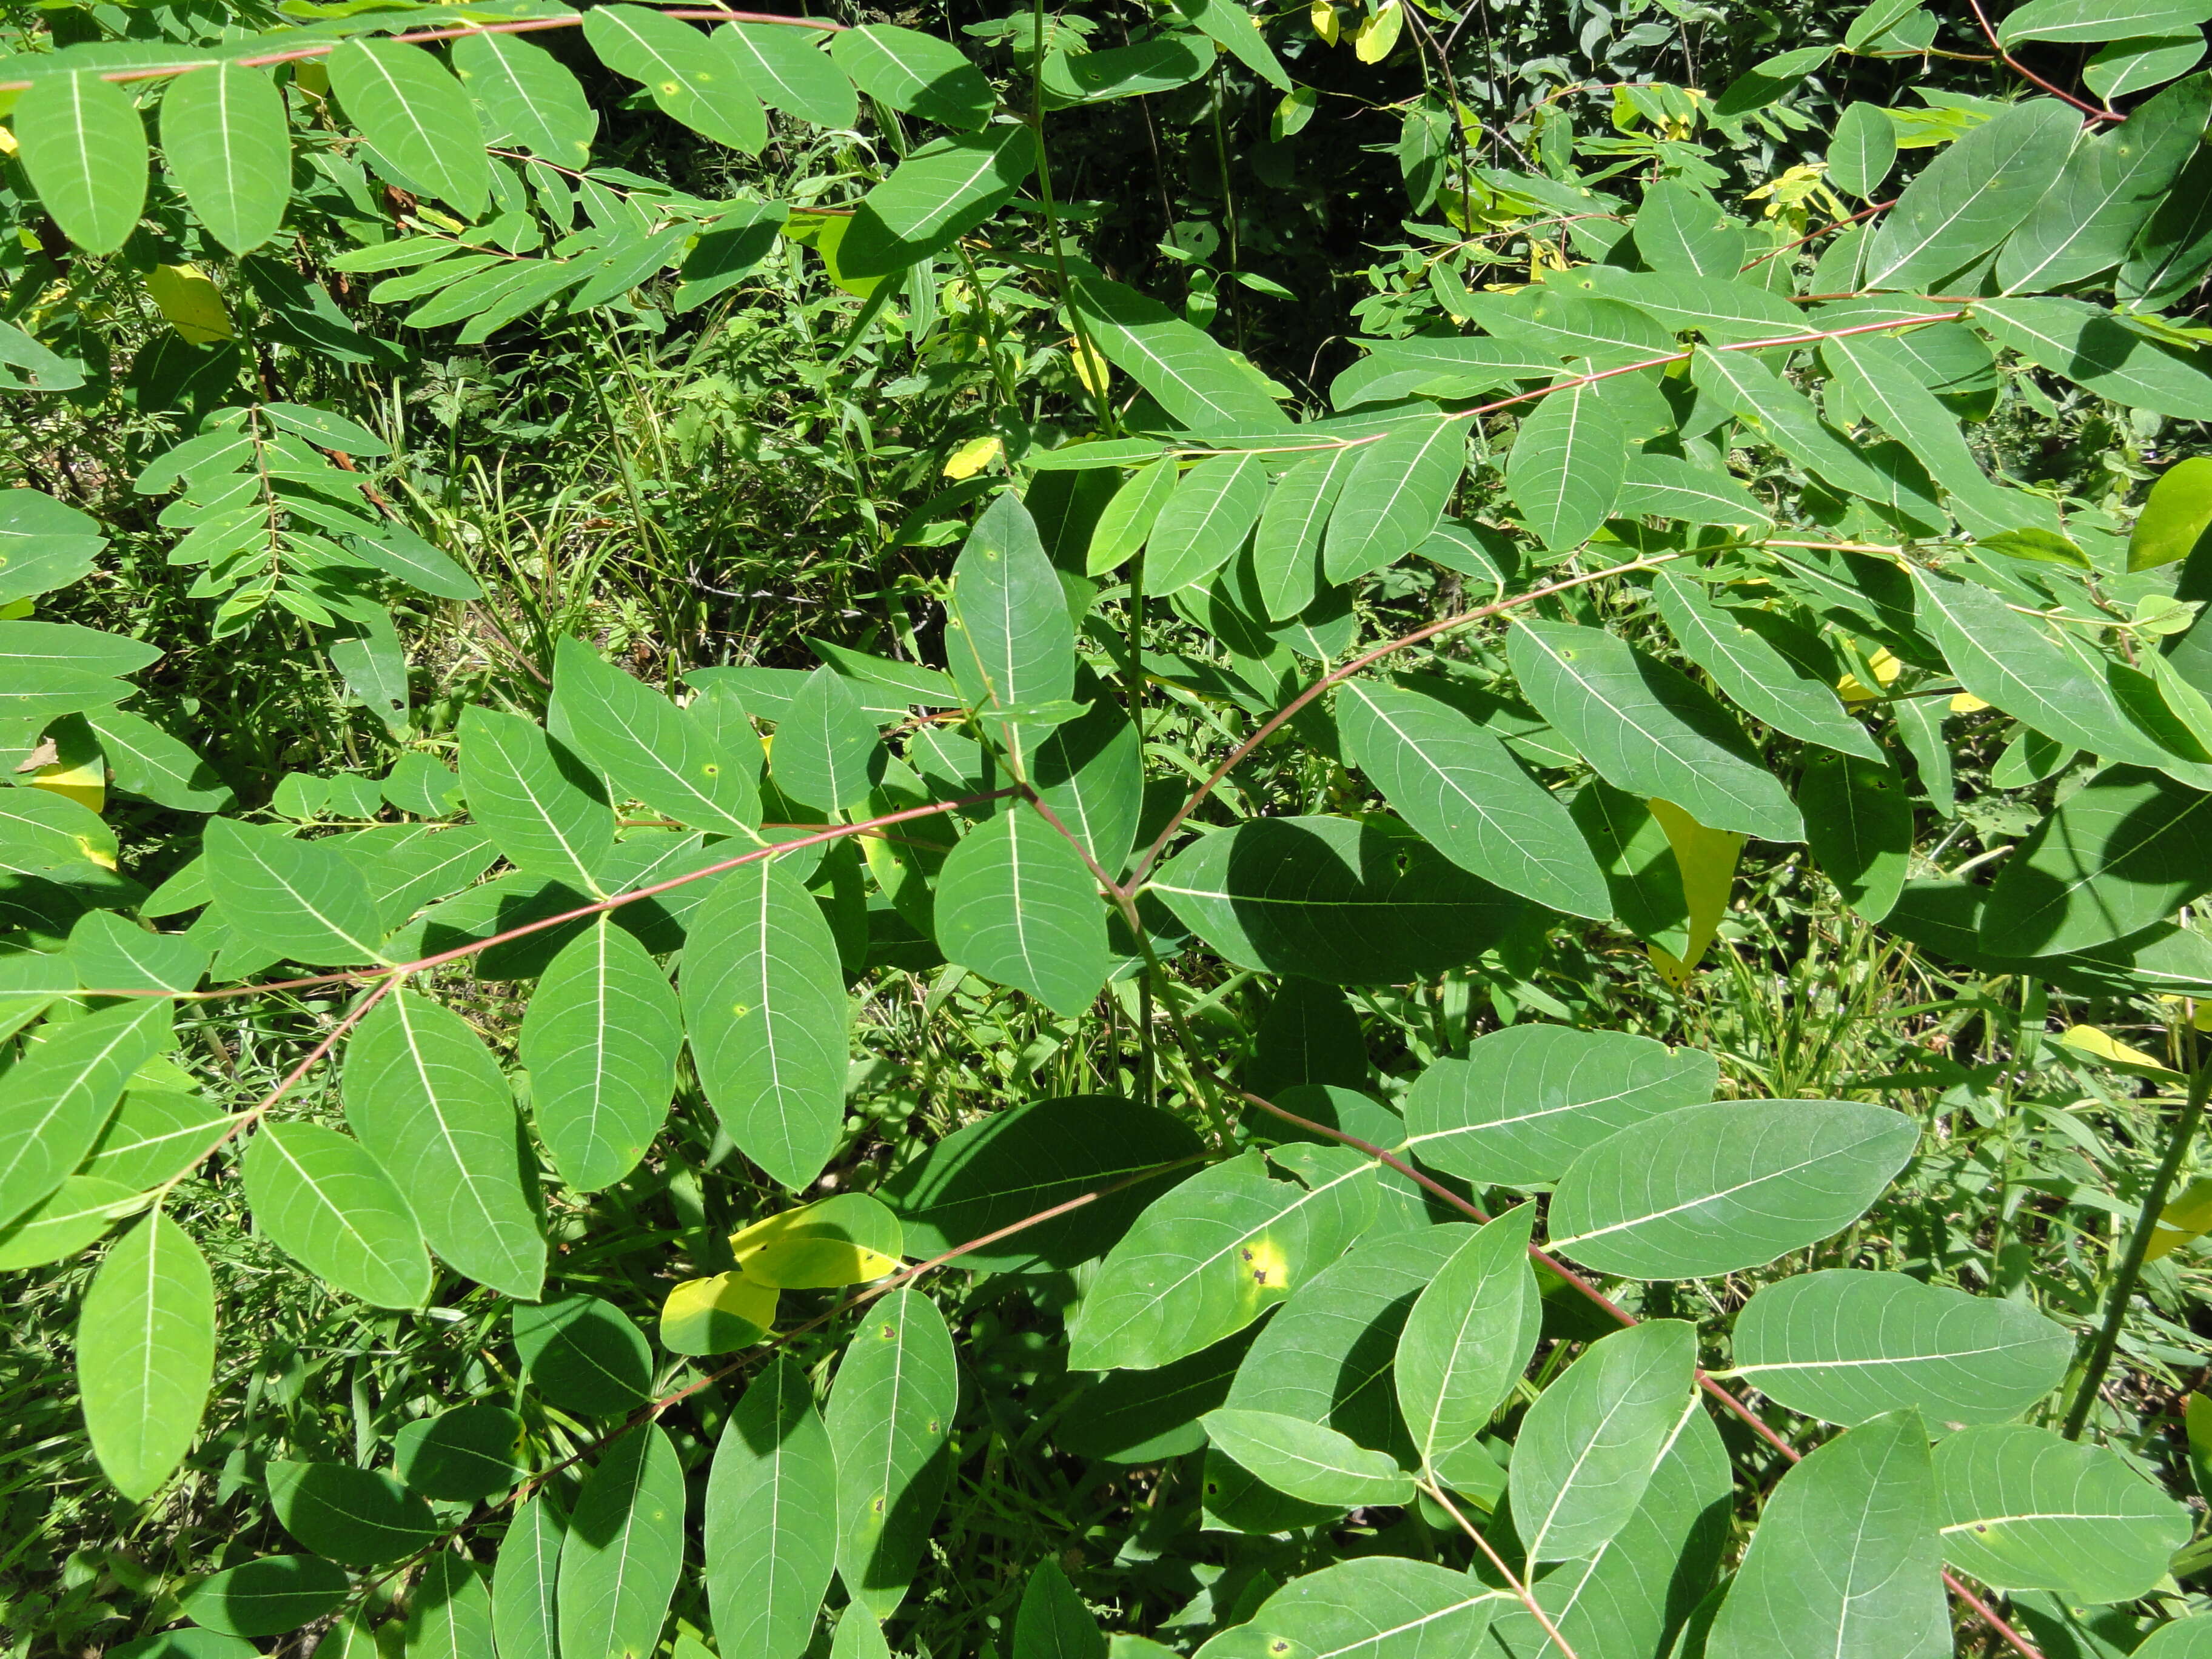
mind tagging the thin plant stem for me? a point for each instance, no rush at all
(2100, 1357)
(1528, 1596)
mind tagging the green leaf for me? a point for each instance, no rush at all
(1349, 902)
(425, 1096)
(529, 95)
(1374, 1606)
(413, 111)
(2127, 849)
(771, 1521)
(44, 545)
(1461, 788)
(1207, 1259)
(2174, 517)
(461, 1455)
(1782, 689)
(1013, 1163)
(324, 1201)
(691, 81)
(1525, 1102)
(144, 760)
(1646, 1581)
(584, 1356)
(1858, 823)
(271, 1596)
(2183, 1638)
(1053, 1622)
(398, 551)
(225, 143)
(1196, 381)
(2100, 20)
(2007, 660)
(648, 748)
(1286, 548)
(943, 190)
(1206, 521)
(1567, 465)
(111, 953)
(764, 1003)
(360, 1517)
(156, 1135)
(1667, 487)
(2085, 223)
(891, 1422)
(2094, 349)
(449, 1610)
(1010, 642)
(1237, 31)
(826, 752)
(56, 1098)
(1325, 1356)
(1015, 904)
(1844, 1561)
(1844, 1346)
(2021, 1509)
(538, 802)
(1396, 491)
(624, 1549)
(1090, 774)
(1468, 1341)
(1862, 150)
(915, 73)
(1307, 1461)
(1647, 729)
(84, 148)
(600, 1040)
(145, 1354)
(1969, 198)
(284, 897)
(1750, 390)
(41, 830)
(61, 1224)
(1589, 1446)
(525, 1582)
(1714, 1189)
(783, 65)
(1128, 518)
(2175, 244)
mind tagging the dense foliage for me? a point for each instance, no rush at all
(1370, 831)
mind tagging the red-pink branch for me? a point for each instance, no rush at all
(400, 970)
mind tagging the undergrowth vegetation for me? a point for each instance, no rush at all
(1362, 830)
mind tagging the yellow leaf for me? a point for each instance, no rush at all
(1372, 42)
(1885, 669)
(817, 1264)
(78, 769)
(1967, 703)
(1090, 367)
(2186, 1218)
(16, 611)
(714, 1315)
(973, 457)
(1707, 859)
(845, 1240)
(191, 301)
(2099, 1044)
(7, 139)
(1328, 21)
